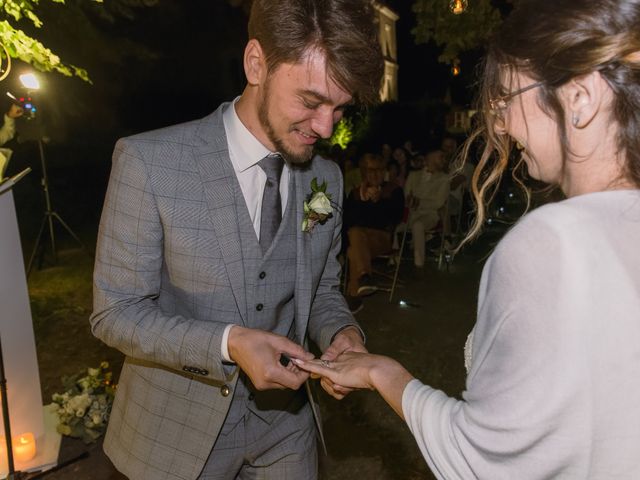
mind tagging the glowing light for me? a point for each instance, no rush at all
(458, 6)
(30, 81)
(455, 69)
(24, 447)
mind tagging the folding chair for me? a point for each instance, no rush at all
(385, 256)
(399, 257)
(438, 230)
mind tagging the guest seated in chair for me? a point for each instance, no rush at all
(427, 191)
(371, 212)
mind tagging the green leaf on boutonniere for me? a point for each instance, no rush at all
(314, 185)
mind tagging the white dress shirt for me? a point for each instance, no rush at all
(245, 151)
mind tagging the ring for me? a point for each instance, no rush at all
(325, 363)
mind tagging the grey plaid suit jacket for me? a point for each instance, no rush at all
(169, 277)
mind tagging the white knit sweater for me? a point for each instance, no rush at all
(553, 389)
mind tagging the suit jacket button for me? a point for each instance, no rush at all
(259, 307)
(262, 275)
(225, 390)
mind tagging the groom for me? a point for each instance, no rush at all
(204, 277)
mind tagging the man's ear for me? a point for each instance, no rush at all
(255, 65)
(584, 97)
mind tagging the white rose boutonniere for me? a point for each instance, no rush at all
(317, 207)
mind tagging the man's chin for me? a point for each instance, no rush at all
(300, 157)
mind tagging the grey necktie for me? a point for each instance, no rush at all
(271, 211)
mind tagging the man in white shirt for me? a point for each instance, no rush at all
(426, 192)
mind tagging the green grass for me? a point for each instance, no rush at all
(61, 303)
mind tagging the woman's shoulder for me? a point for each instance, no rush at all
(575, 219)
(584, 211)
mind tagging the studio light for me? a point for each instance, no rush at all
(29, 81)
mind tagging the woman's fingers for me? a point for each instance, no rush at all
(317, 367)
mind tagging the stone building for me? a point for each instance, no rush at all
(388, 43)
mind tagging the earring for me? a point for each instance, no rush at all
(575, 120)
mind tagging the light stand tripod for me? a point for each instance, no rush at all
(48, 217)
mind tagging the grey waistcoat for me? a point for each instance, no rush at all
(270, 282)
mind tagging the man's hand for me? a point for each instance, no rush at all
(258, 354)
(347, 340)
(15, 111)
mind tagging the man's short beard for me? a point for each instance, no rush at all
(263, 116)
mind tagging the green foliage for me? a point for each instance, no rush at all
(454, 33)
(26, 48)
(342, 133)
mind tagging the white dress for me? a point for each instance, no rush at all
(553, 388)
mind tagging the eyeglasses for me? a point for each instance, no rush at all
(499, 105)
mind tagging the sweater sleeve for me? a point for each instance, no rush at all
(518, 417)
(8, 130)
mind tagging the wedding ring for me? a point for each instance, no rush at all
(325, 363)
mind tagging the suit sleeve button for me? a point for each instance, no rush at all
(259, 307)
(225, 390)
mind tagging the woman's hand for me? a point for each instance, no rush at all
(363, 370)
(350, 369)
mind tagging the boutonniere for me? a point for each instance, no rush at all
(317, 206)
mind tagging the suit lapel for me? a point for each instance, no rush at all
(304, 255)
(219, 180)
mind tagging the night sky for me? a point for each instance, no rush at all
(421, 76)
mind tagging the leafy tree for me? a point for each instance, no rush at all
(19, 45)
(21, 14)
(455, 33)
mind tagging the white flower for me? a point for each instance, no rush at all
(320, 203)
(96, 418)
(79, 404)
(317, 207)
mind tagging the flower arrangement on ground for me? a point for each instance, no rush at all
(84, 407)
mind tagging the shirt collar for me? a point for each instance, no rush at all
(245, 149)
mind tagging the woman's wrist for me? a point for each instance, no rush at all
(386, 373)
(390, 379)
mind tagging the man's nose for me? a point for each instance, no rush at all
(322, 123)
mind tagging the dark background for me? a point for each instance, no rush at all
(157, 66)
